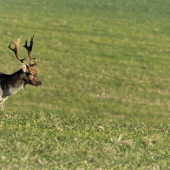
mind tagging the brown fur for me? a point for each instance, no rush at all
(11, 84)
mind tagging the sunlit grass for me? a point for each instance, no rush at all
(42, 140)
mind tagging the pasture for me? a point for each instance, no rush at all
(105, 99)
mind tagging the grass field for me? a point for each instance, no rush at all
(105, 70)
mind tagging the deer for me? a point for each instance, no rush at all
(12, 83)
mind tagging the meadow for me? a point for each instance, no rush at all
(104, 103)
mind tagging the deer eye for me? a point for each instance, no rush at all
(31, 75)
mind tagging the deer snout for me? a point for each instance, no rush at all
(40, 83)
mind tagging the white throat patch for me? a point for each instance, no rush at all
(11, 91)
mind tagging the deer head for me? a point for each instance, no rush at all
(30, 75)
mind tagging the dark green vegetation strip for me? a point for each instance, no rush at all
(47, 141)
(98, 58)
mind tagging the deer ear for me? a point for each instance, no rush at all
(24, 68)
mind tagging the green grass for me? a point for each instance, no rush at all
(107, 61)
(51, 141)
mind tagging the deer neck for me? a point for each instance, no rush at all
(11, 84)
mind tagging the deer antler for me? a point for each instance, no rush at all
(16, 50)
(29, 49)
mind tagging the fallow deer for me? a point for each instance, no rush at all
(12, 83)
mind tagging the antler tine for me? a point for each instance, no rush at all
(16, 50)
(29, 49)
(35, 62)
